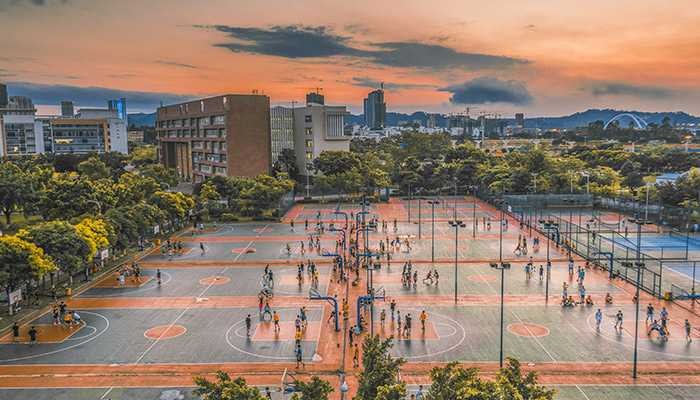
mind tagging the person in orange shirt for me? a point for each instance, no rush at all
(356, 357)
(422, 319)
(276, 318)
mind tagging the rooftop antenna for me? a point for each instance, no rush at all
(382, 85)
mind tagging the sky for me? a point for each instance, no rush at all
(541, 57)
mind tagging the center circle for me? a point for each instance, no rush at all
(528, 330)
(164, 332)
(213, 281)
(262, 230)
(483, 278)
(244, 250)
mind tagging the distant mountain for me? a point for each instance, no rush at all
(139, 119)
(569, 121)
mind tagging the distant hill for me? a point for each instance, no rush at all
(568, 121)
(139, 119)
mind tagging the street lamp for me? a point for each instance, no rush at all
(419, 211)
(166, 184)
(344, 388)
(456, 224)
(455, 210)
(432, 246)
(500, 203)
(587, 174)
(548, 226)
(473, 187)
(502, 266)
(309, 168)
(534, 175)
(571, 180)
(409, 201)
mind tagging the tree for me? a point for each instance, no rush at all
(454, 382)
(160, 174)
(62, 241)
(21, 261)
(14, 190)
(65, 199)
(143, 155)
(288, 163)
(317, 389)
(331, 162)
(97, 233)
(93, 169)
(225, 389)
(379, 368)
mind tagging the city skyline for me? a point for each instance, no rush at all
(546, 59)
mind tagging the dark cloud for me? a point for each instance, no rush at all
(34, 2)
(626, 89)
(531, 27)
(176, 64)
(294, 41)
(374, 84)
(92, 96)
(421, 55)
(298, 42)
(489, 90)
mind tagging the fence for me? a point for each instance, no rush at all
(286, 204)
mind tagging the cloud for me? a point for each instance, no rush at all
(488, 90)
(293, 41)
(42, 94)
(421, 55)
(299, 42)
(175, 64)
(34, 2)
(374, 84)
(627, 89)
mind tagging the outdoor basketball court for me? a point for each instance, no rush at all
(146, 340)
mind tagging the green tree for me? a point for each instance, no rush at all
(316, 389)
(143, 154)
(331, 162)
(93, 169)
(160, 174)
(392, 392)
(379, 368)
(225, 388)
(66, 199)
(287, 161)
(60, 240)
(97, 233)
(14, 190)
(21, 261)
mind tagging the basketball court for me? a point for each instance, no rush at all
(148, 339)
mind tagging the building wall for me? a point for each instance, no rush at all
(318, 128)
(281, 130)
(225, 135)
(79, 135)
(22, 135)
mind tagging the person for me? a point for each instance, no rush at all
(266, 311)
(32, 337)
(158, 276)
(304, 321)
(268, 395)
(56, 316)
(565, 289)
(276, 318)
(419, 394)
(356, 357)
(69, 319)
(247, 325)
(664, 316)
(618, 319)
(392, 307)
(541, 271)
(77, 319)
(62, 308)
(332, 317)
(422, 319)
(589, 300)
(170, 254)
(598, 318)
(351, 333)
(201, 247)
(398, 321)
(297, 337)
(571, 267)
(15, 332)
(583, 294)
(687, 331)
(408, 325)
(608, 299)
(121, 280)
(650, 314)
(527, 271)
(299, 357)
(382, 317)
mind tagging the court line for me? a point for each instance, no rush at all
(510, 309)
(161, 335)
(106, 393)
(584, 394)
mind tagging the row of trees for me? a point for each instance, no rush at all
(378, 380)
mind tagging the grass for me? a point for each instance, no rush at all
(18, 221)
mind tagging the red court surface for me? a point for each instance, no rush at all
(214, 281)
(165, 332)
(44, 333)
(266, 331)
(528, 330)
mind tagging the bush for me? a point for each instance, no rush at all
(307, 197)
(227, 217)
(371, 198)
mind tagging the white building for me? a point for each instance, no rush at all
(318, 127)
(281, 130)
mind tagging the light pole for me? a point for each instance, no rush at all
(456, 224)
(166, 184)
(455, 210)
(99, 206)
(500, 222)
(419, 211)
(534, 175)
(502, 266)
(473, 187)
(308, 168)
(548, 225)
(409, 201)
(646, 208)
(571, 180)
(432, 246)
(587, 174)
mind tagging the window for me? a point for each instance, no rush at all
(219, 120)
(222, 145)
(309, 143)
(309, 131)
(307, 118)
(201, 106)
(309, 155)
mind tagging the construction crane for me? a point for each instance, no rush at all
(315, 90)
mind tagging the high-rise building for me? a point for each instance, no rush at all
(281, 130)
(67, 109)
(520, 120)
(120, 106)
(315, 97)
(226, 135)
(375, 110)
(3, 95)
(318, 128)
(21, 133)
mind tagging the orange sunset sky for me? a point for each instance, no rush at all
(539, 57)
